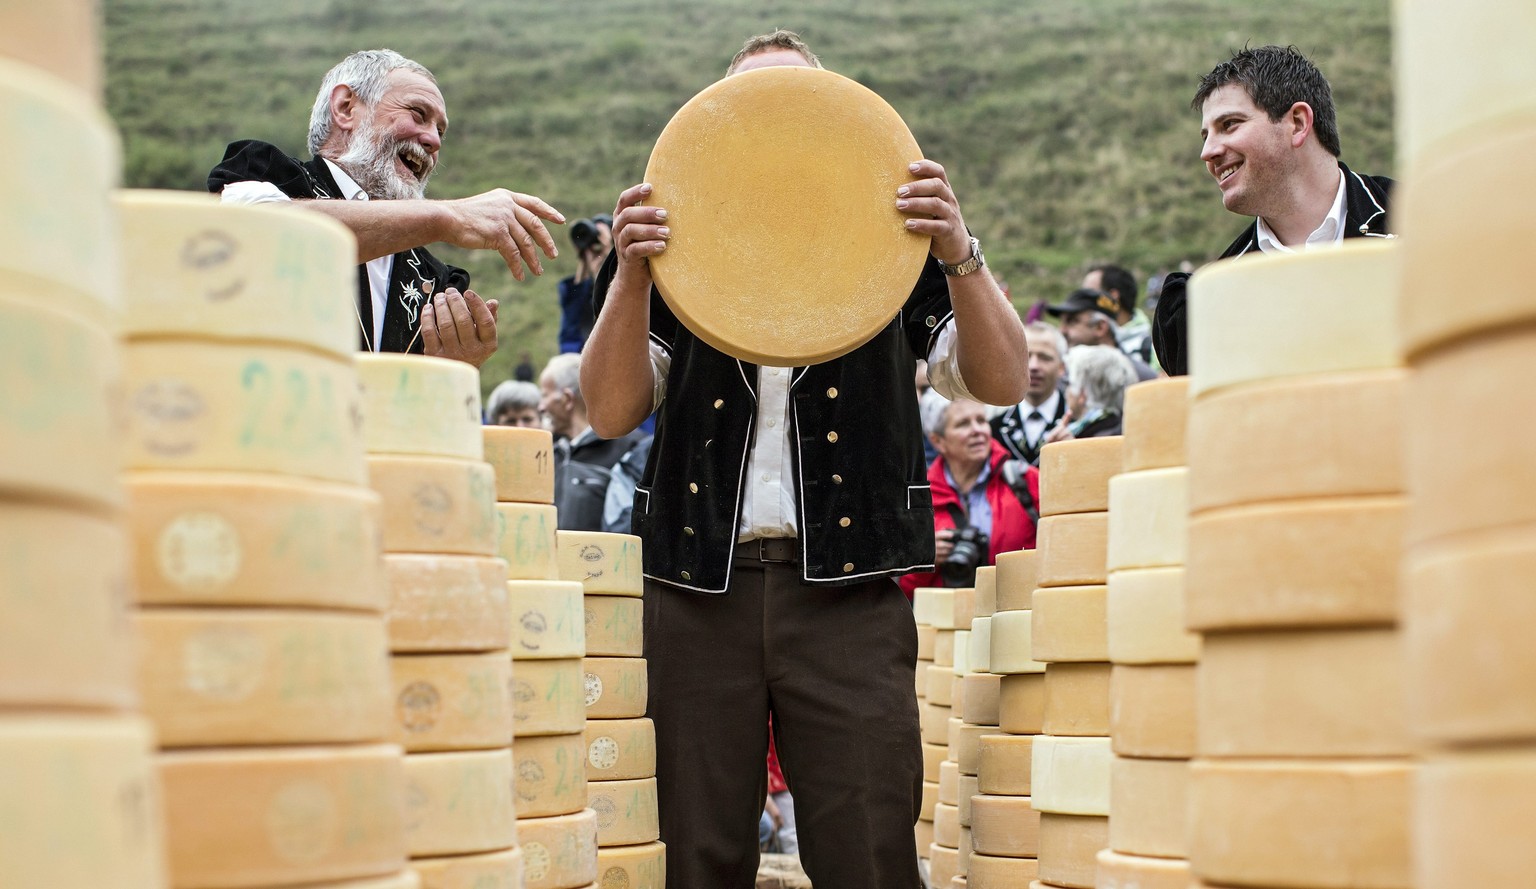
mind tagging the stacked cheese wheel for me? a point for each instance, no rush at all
(933, 608)
(262, 597)
(1071, 760)
(1296, 505)
(619, 746)
(951, 848)
(448, 618)
(976, 700)
(1152, 683)
(79, 798)
(1467, 103)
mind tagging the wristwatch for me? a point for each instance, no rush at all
(961, 269)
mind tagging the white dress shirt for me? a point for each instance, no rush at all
(1034, 430)
(1329, 233)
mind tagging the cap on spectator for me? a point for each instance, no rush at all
(1086, 300)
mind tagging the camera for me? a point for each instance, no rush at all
(583, 235)
(969, 553)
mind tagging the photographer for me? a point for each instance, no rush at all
(984, 503)
(592, 239)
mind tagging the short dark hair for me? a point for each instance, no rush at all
(1113, 277)
(775, 40)
(1275, 78)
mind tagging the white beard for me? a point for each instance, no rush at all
(370, 161)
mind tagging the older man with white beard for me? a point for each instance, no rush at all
(374, 135)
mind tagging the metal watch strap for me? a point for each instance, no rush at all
(961, 269)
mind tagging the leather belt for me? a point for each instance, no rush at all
(770, 549)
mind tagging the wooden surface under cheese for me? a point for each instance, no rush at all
(1005, 764)
(525, 538)
(1144, 617)
(1152, 710)
(435, 504)
(1148, 799)
(447, 603)
(487, 870)
(602, 563)
(1070, 624)
(418, 404)
(1069, 848)
(1077, 699)
(1073, 549)
(1070, 776)
(548, 697)
(1018, 573)
(615, 687)
(549, 619)
(1005, 826)
(1021, 703)
(559, 852)
(452, 701)
(1075, 474)
(550, 775)
(614, 626)
(524, 462)
(1156, 412)
(1148, 518)
(460, 802)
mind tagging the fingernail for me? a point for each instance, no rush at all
(913, 167)
(901, 205)
(903, 191)
(661, 246)
(664, 232)
(646, 188)
(911, 223)
(661, 214)
(439, 299)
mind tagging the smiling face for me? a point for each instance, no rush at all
(1249, 155)
(966, 441)
(393, 146)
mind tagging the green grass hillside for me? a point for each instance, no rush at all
(1065, 124)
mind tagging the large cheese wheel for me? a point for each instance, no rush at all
(525, 538)
(940, 608)
(982, 701)
(926, 637)
(1070, 623)
(934, 757)
(1073, 549)
(620, 749)
(1152, 710)
(224, 406)
(548, 697)
(60, 405)
(1489, 482)
(614, 626)
(944, 648)
(1303, 693)
(447, 603)
(979, 653)
(1470, 667)
(851, 151)
(1013, 647)
(632, 867)
(195, 267)
(601, 562)
(965, 744)
(452, 701)
(417, 404)
(943, 863)
(626, 811)
(1244, 573)
(459, 802)
(1117, 871)
(63, 39)
(1319, 823)
(524, 462)
(215, 677)
(1257, 320)
(1156, 413)
(1243, 449)
(436, 505)
(923, 603)
(248, 539)
(941, 682)
(962, 609)
(997, 872)
(1005, 764)
(548, 619)
(1077, 699)
(1144, 614)
(615, 687)
(65, 637)
(1148, 798)
(933, 724)
(57, 236)
(1148, 515)
(986, 590)
(1018, 573)
(1075, 474)
(1069, 848)
(957, 697)
(1471, 818)
(283, 816)
(1006, 826)
(969, 787)
(1070, 776)
(559, 852)
(1021, 704)
(488, 870)
(551, 775)
(80, 802)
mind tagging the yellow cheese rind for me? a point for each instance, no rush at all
(1013, 647)
(1074, 549)
(1069, 848)
(963, 608)
(65, 636)
(524, 462)
(1075, 474)
(642, 866)
(1118, 871)
(965, 744)
(1243, 571)
(968, 790)
(418, 404)
(986, 590)
(1071, 623)
(548, 619)
(1301, 823)
(1471, 817)
(548, 697)
(941, 608)
(923, 603)
(1242, 446)
(60, 429)
(488, 870)
(248, 539)
(1148, 516)
(219, 677)
(1077, 699)
(1152, 710)
(933, 724)
(559, 852)
(1303, 693)
(1144, 613)
(1018, 573)
(272, 273)
(922, 833)
(979, 653)
(240, 408)
(603, 563)
(551, 775)
(940, 684)
(934, 757)
(460, 802)
(944, 648)
(525, 538)
(1021, 704)
(996, 872)
(447, 603)
(926, 637)
(929, 799)
(1005, 764)
(436, 505)
(615, 687)
(1070, 776)
(282, 816)
(957, 697)
(614, 626)
(81, 802)
(1156, 413)
(452, 701)
(982, 698)
(1005, 826)
(1256, 320)
(1149, 798)
(943, 863)
(406, 879)
(946, 825)
(620, 749)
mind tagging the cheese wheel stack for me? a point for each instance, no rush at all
(80, 800)
(1070, 761)
(925, 601)
(1466, 97)
(950, 850)
(449, 618)
(1152, 682)
(977, 697)
(1291, 574)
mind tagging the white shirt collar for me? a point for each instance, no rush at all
(1331, 231)
(1047, 407)
(350, 190)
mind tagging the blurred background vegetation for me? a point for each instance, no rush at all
(1064, 123)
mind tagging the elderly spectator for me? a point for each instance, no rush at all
(583, 461)
(1088, 319)
(514, 403)
(1097, 379)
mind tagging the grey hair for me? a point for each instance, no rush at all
(512, 395)
(367, 74)
(564, 371)
(934, 410)
(1040, 328)
(1101, 373)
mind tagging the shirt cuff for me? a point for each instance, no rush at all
(252, 193)
(661, 363)
(944, 365)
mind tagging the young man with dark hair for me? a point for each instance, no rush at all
(1133, 328)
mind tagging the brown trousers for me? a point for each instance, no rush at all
(834, 666)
